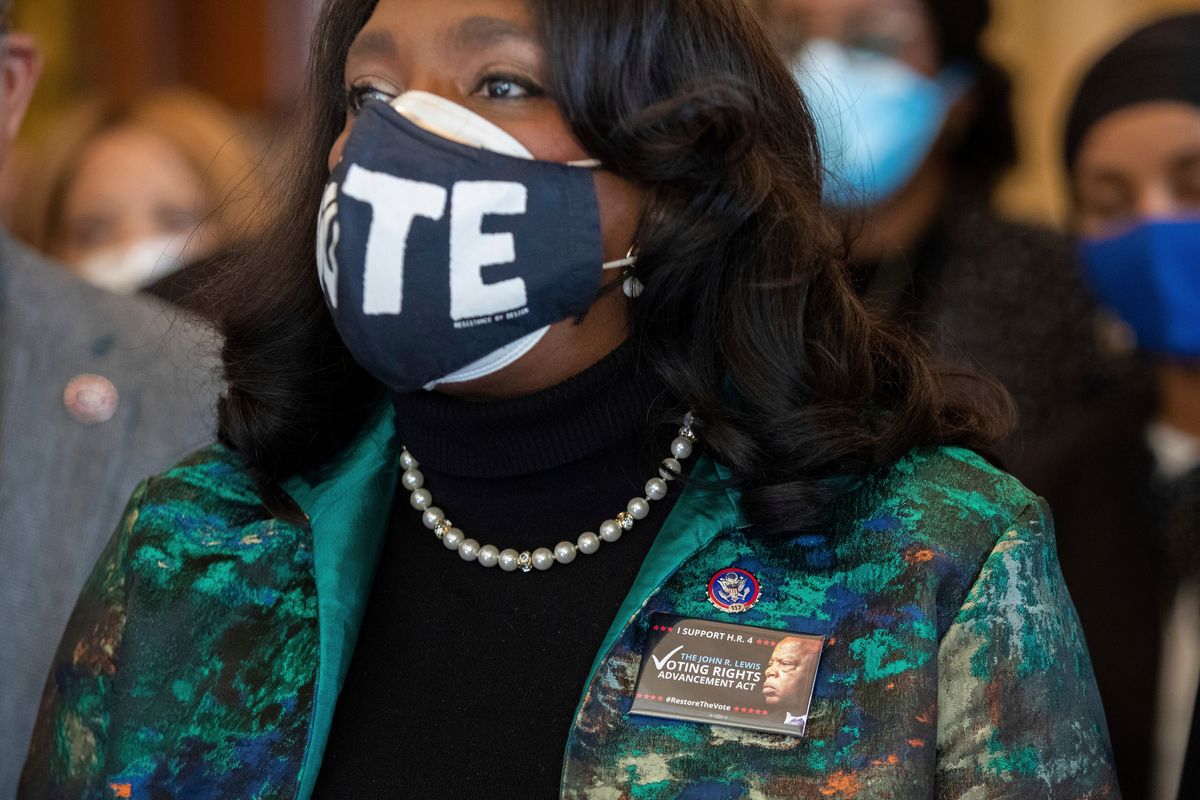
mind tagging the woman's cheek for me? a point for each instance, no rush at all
(339, 146)
(620, 212)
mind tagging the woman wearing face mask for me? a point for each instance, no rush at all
(1133, 154)
(128, 194)
(568, 403)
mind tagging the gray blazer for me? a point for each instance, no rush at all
(65, 474)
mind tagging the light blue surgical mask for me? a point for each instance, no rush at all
(1150, 277)
(877, 118)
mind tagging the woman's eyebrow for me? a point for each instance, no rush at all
(373, 44)
(477, 32)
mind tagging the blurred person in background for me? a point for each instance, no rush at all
(96, 392)
(140, 195)
(1132, 151)
(916, 127)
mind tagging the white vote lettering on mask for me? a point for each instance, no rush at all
(396, 203)
(471, 249)
(329, 233)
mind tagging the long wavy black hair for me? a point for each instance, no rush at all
(748, 315)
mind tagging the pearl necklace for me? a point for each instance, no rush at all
(543, 558)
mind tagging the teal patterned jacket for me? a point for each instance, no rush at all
(205, 656)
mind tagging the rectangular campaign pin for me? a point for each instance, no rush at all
(724, 674)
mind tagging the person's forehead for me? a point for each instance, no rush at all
(1141, 137)
(419, 16)
(846, 6)
(400, 29)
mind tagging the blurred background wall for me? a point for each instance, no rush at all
(1047, 44)
(247, 53)
(250, 54)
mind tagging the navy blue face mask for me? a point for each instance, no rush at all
(445, 250)
(1150, 277)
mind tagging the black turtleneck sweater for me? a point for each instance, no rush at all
(465, 680)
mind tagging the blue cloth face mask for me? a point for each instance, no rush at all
(877, 118)
(446, 250)
(1150, 277)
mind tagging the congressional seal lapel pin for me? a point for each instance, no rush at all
(733, 590)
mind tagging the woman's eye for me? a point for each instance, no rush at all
(1107, 201)
(877, 45)
(90, 233)
(498, 89)
(506, 88)
(175, 220)
(358, 96)
(1109, 213)
(1187, 189)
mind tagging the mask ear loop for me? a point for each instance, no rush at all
(631, 285)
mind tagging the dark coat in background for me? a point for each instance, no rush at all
(65, 477)
(1009, 299)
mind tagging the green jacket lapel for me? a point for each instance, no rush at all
(348, 512)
